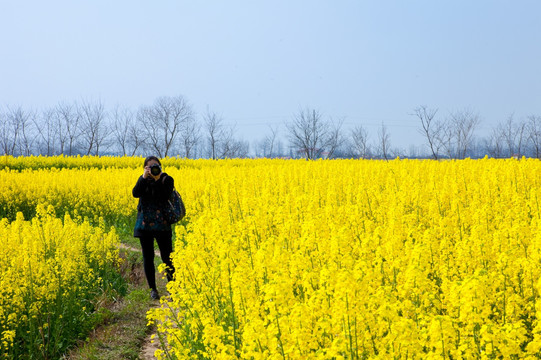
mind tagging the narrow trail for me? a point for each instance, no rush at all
(131, 248)
(149, 347)
(147, 352)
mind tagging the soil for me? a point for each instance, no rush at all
(149, 346)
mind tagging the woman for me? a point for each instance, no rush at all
(153, 189)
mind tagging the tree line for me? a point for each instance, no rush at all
(170, 127)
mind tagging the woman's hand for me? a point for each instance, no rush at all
(146, 173)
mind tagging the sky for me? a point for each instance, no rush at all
(258, 63)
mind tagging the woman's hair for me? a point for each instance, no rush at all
(152, 158)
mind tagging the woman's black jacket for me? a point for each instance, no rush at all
(153, 196)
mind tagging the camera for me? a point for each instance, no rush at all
(155, 169)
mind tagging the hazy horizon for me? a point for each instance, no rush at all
(258, 64)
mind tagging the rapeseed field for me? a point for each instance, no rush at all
(288, 259)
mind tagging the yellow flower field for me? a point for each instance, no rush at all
(356, 260)
(294, 259)
(52, 270)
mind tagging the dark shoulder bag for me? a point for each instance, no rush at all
(174, 209)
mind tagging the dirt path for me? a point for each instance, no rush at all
(148, 350)
(149, 347)
(131, 248)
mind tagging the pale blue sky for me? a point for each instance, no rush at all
(258, 62)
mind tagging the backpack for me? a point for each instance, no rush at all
(174, 209)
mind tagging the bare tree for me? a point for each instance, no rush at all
(508, 134)
(125, 132)
(334, 139)
(514, 135)
(384, 143)
(308, 133)
(6, 140)
(136, 139)
(431, 129)
(213, 132)
(121, 119)
(359, 138)
(47, 131)
(534, 133)
(189, 136)
(235, 148)
(521, 138)
(461, 129)
(494, 144)
(163, 122)
(68, 119)
(270, 142)
(510, 137)
(230, 147)
(15, 127)
(242, 148)
(10, 131)
(448, 139)
(26, 138)
(266, 147)
(220, 138)
(94, 127)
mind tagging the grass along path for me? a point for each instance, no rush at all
(149, 346)
(123, 333)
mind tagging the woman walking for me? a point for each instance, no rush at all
(154, 189)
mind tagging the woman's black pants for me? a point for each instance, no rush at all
(165, 244)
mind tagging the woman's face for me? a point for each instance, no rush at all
(152, 162)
